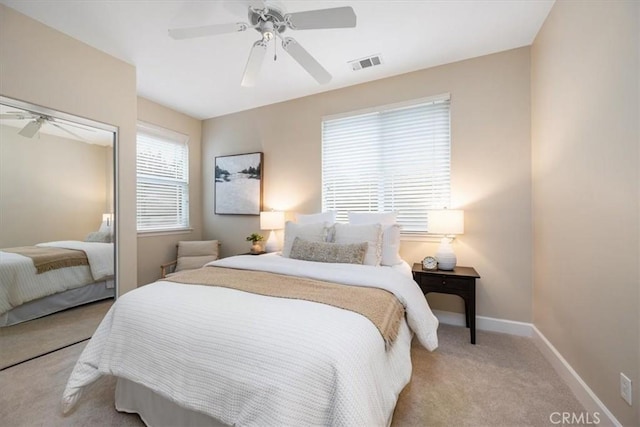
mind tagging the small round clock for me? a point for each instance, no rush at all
(429, 263)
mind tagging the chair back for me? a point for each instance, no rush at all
(196, 253)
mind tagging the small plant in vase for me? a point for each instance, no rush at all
(254, 238)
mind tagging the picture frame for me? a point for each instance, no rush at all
(238, 184)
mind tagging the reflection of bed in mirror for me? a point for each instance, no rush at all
(50, 277)
(57, 184)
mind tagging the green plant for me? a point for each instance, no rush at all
(254, 237)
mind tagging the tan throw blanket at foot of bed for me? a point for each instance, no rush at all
(381, 307)
(50, 258)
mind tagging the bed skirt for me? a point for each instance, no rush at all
(57, 302)
(155, 410)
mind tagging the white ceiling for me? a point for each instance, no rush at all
(201, 77)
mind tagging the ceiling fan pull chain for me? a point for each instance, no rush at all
(275, 54)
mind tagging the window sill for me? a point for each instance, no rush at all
(154, 233)
(432, 238)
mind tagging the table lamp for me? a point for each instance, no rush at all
(273, 220)
(107, 223)
(449, 222)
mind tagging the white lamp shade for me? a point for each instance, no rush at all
(446, 221)
(273, 220)
(107, 223)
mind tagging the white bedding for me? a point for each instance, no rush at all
(247, 359)
(100, 255)
(20, 283)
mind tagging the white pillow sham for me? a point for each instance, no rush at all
(371, 233)
(328, 216)
(390, 233)
(310, 232)
(98, 236)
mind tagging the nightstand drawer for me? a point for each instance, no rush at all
(441, 283)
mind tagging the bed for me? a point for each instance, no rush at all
(196, 355)
(28, 292)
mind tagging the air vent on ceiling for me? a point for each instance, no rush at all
(369, 61)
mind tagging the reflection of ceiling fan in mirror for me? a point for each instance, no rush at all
(36, 121)
(271, 20)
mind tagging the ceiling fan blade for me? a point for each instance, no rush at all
(337, 17)
(256, 56)
(75, 135)
(207, 30)
(31, 128)
(73, 125)
(307, 61)
(16, 115)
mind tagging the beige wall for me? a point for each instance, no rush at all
(154, 250)
(47, 68)
(51, 188)
(491, 167)
(585, 140)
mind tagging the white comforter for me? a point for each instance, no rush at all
(100, 255)
(20, 283)
(248, 359)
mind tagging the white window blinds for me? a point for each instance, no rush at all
(394, 159)
(162, 179)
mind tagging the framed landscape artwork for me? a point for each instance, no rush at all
(238, 188)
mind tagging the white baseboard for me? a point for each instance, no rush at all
(580, 389)
(483, 323)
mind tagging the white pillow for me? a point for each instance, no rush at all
(390, 233)
(304, 219)
(310, 232)
(371, 233)
(98, 236)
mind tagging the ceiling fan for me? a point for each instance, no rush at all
(271, 20)
(39, 120)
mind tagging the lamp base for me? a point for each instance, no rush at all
(447, 259)
(272, 242)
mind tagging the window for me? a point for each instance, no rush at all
(396, 158)
(162, 170)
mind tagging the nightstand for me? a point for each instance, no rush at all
(461, 281)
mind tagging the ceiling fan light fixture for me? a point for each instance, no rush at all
(267, 31)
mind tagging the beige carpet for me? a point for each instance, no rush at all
(501, 381)
(39, 336)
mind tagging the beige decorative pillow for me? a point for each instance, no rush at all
(328, 252)
(371, 234)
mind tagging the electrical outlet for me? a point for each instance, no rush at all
(625, 388)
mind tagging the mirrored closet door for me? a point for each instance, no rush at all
(57, 229)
